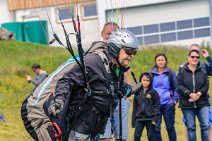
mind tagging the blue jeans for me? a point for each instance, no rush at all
(202, 114)
(76, 136)
(168, 113)
(114, 124)
(209, 117)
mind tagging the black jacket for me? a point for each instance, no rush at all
(146, 106)
(100, 104)
(192, 83)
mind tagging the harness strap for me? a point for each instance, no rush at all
(105, 61)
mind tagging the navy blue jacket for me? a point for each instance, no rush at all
(146, 106)
(208, 66)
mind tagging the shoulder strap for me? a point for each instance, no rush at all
(96, 47)
(170, 78)
(152, 75)
(100, 49)
(105, 61)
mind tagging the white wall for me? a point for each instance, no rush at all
(5, 14)
(146, 12)
(89, 28)
(166, 12)
(104, 5)
(170, 12)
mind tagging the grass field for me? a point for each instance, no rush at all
(16, 59)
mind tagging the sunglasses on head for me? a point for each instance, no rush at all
(130, 51)
(197, 57)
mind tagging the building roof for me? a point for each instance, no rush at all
(26, 4)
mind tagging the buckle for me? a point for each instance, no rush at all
(57, 131)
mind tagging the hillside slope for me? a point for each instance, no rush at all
(16, 59)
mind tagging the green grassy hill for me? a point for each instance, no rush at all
(16, 59)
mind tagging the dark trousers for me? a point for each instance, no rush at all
(139, 127)
(168, 113)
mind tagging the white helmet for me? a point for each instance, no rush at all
(121, 38)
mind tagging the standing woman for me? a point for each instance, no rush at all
(164, 82)
(193, 86)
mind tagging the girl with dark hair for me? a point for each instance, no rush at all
(164, 82)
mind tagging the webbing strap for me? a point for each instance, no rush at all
(105, 61)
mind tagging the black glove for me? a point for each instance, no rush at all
(136, 87)
(55, 107)
(126, 90)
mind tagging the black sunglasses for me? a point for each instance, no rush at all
(130, 51)
(194, 57)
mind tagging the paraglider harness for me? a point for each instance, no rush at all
(68, 124)
(59, 126)
(60, 129)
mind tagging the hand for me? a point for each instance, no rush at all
(55, 107)
(199, 94)
(205, 53)
(153, 122)
(193, 97)
(28, 77)
(191, 100)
